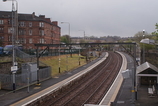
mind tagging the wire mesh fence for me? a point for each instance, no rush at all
(23, 79)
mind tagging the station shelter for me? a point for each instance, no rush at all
(147, 74)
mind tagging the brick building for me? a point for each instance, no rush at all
(31, 30)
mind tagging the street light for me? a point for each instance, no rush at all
(83, 34)
(14, 18)
(69, 37)
(59, 59)
(14, 28)
(69, 29)
(134, 87)
(79, 55)
(143, 48)
(67, 60)
(146, 41)
(143, 31)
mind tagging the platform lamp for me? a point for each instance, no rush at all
(14, 28)
(69, 37)
(14, 18)
(143, 47)
(59, 59)
(69, 29)
(79, 57)
(83, 34)
(134, 86)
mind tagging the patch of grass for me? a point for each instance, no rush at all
(67, 63)
(5, 59)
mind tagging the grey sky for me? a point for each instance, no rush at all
(96, 17)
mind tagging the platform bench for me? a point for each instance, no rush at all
(151, 92)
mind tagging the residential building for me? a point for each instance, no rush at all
(92, 39)
(31, 29)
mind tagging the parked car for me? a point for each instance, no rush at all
(1, 51)
(8, 49)
(32, 52)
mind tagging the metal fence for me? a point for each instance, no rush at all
(22, 80)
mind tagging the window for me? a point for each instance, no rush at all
(53, 35)
(30, 32)
(1, 21)
(54, 28)
(41, 32)
(30, 40)
(41, 24)
(1, 38)
(10, 30)
(21, 24)
(22, 40)
(9, 38)
(1, 30)
(22, 32)
(30, 24)
(41, 40)
(9, 22)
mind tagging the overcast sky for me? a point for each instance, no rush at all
(96, 17)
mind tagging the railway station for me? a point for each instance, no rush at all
(41, 65)
(121, 92)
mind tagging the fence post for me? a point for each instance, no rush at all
(0, 85)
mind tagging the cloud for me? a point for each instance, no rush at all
(96, 17)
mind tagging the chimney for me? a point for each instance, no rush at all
(55, 23)
(42, 16)
(47, 19)
(33, 15)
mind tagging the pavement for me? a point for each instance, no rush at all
(9, 97)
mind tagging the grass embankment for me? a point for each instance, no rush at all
(67, 63)
(5, 59)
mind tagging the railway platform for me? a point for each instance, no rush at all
(124, 96)
(120, 94)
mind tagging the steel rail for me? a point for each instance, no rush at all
(81, 83)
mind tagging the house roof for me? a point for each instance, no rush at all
(5, 14)
(143, 68)
(26, 17)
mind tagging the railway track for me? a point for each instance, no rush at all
(90, 88)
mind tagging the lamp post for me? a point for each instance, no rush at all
(146, 41)
(143, 47)
(69, 37)
(69, 29)
(67, 60)
(79, 56)
(15, 18)
(14, 31)
(134, 86)
(83, 34)
(59, 59)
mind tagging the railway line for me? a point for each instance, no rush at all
(88, 89)
(88, 86)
